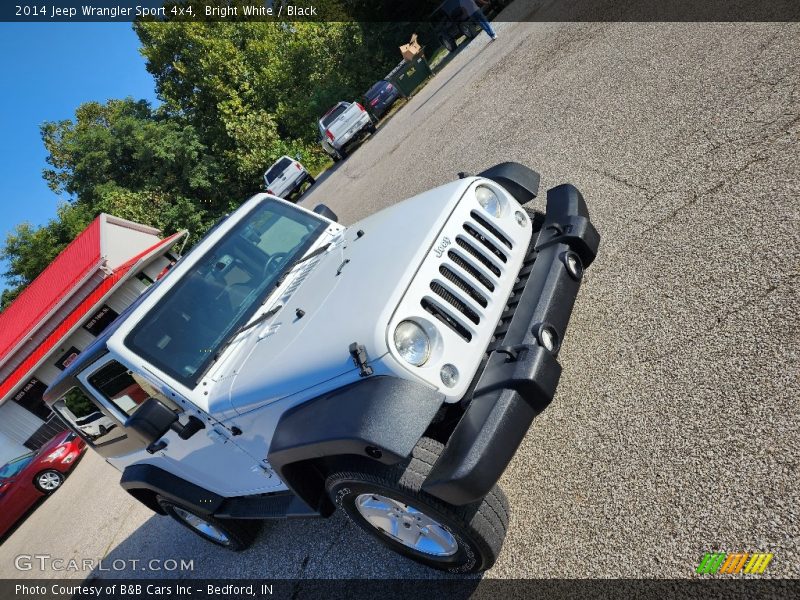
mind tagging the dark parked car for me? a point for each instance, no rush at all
(28, 477)
(380, 97)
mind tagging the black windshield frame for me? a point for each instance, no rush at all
(191, 380)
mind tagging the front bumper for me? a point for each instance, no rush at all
(521, 373)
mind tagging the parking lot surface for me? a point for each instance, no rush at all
(676, 427)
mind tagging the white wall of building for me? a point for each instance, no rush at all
(47, 371)
(122, 240)
(10, 449)
(16, 426)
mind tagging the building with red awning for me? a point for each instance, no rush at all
(60, 313)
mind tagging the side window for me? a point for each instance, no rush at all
(118, 387)
(94, 421)
(86, 418)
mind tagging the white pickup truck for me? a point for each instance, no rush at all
(288, 366)
(342, 126)
(286, 176)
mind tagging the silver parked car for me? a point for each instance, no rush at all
(286, 176)
(342, 126)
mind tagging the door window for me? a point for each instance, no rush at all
(118, 386)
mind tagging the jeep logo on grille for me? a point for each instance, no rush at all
(439, 250)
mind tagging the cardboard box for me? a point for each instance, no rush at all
(411, 50)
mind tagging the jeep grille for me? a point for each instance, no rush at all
(470, 272)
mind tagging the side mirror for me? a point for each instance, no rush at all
(326, 212)
(297, 157)
(152, 420)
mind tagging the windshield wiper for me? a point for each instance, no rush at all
(273, 311)
(270, 313)
(292, 265)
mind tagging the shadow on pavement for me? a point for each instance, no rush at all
(284, 549)
(441, 65)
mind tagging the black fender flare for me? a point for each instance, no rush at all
(521, 182)
(144, 482)
(378, 418)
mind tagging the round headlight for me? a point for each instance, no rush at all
(412, 343)
(488, 200)
(449, 375)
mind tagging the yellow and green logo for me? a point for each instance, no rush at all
(731, 563)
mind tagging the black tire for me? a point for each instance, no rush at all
(448, 42)
(102, 430)
(311, 181)
(332, 152)
(43, 479)
(478, 529)
(240, 533)
(465, 27)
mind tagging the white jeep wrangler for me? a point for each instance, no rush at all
(288, 365)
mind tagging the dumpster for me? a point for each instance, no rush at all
(409, 74)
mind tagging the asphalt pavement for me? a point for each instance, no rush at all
(676, 427)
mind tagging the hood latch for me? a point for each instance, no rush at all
(359, 354)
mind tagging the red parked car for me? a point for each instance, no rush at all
(28, 477)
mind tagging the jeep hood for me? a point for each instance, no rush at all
(348, 296)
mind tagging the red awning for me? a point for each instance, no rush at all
(76, 262)
(77, 315)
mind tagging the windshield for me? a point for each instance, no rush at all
(276, 169)
(334, 114)
(15, 466)
(183, 332)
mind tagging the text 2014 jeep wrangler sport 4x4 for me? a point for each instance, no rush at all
(288, 365)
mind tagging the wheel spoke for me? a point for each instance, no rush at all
(49, 481)
(438, 536)
(406, 524)
(409, 535)
(201, 525)
(376, 511)
(394, 527)
(374, 506)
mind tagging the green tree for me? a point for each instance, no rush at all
(271, 79)
(125, 144)
(128, 160)
(236, 96)
(78, 404)
(28, 250)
